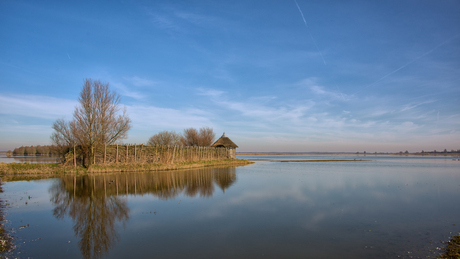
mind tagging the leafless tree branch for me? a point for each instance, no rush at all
(96, 120)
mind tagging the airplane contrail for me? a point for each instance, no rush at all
(301, 13)
(303, 17)
(408, 63)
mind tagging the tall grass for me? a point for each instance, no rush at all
(57, 169)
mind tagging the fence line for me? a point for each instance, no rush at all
(142, 154)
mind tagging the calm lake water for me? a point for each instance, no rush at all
(387, 207)
(28, 159)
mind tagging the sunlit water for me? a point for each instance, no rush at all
(387, 207)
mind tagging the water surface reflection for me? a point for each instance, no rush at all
(388, 207)
(97, 203)
(94, 214)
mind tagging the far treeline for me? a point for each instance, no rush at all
(445, 151)
(36, 151)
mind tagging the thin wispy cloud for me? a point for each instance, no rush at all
(258, 108)
(411, 106)
(124, 90)
(196, 19)
(210, 92)
(44, 107)
(35, 129)
(313, 120)
(163, 21)
(153, 118)
(315, 88)
(243, 67)
(172, 18)
(140, 82)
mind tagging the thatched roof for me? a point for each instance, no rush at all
(224, 141)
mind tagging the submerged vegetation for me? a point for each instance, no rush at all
(5, 238)
(452, 250)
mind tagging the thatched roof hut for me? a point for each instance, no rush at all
(224, 141)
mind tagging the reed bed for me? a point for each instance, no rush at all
(147, 154)
(62, 169)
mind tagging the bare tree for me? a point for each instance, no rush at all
(96, 120)
(204, 137)
(165, 138)
(190, 137)
(62, 135)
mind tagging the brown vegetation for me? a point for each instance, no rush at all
(452, 250)
(5, 238)
(202, 138)
(145, 154)
(165, 138)
(9, 169)
(96, 121)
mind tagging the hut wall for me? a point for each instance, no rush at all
(232, 153)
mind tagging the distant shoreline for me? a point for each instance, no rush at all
(343, 154)
(325, 154)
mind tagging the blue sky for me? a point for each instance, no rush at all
(274, 75)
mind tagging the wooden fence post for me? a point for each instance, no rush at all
(141, 158)
(174, 153)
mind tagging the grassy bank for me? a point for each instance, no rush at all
(5, 238)
(57, 169)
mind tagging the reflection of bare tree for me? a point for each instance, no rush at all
(94, 205)
(94, 215)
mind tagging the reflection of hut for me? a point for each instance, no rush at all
(224, 177)
(225, 142)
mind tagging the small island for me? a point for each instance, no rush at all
(92, 143)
